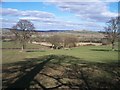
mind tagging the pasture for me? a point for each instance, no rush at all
(87, 53)
(85, 67)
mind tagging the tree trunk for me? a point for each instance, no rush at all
(23, 47)
(113, 46)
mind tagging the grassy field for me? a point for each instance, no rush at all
(91, 67)
(88, 53)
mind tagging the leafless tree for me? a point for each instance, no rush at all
(55, 40)
(23, 31)
(113, 30)
(70, 41)
(65, 41)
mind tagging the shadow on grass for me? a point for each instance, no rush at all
(35, 51)
(60, 71)
(106, 50)
(117, 50)
(100, 50)
(24, 81)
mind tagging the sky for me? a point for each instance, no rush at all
(59, 15)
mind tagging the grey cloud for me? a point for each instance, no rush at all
(15, 12)
(50, 20)
(9, 11)
(7, 20)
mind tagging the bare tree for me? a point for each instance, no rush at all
(112, 30)
(70, 41)
(23, 31)
(55, 40)
(59, 41)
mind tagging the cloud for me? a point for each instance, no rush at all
(95, 11)
(4, 20)
(49, 23)
(60, 0)
(30, 13)
(55, 23)
(89, 14)
(7, 23)
(9, 11)
(79, 0)
(51, 20)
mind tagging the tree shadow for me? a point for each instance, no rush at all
(100, 50)
(106, 50)
(35, 51)
(96, 76)
(60, 72)
(117, 50)
(27, 69)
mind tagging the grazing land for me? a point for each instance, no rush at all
(11, 52)
(81, 67)
(38, 66)
(60, 45)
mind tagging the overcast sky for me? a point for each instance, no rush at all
(60, 15)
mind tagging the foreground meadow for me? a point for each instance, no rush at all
(11, 52)
(84, 67)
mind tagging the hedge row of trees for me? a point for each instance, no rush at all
(63, 41)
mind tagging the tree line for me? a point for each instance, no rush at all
(64, 41)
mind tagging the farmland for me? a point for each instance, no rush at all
(59, 68)
(87, 65)
(60, 45)
(89, 53)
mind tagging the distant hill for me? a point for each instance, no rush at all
(8, 29)
(53, 30)
(70, 31)
(83, 35)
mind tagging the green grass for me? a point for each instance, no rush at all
(94, 64)
(17, 45)
(87, 53)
